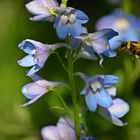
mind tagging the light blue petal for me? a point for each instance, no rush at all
(43, 18)
(61, 30)
(91, 101)
(110, 53)
(105, 34)
(75, 29)
(36, 8)
(117, 121)
(27, 46)
(50, 133)
(106, 114)
(27, 61)
(119, 108)
(32, 90)
(32, 100)
(66, 129)
(33, 70)
(109, 80)
(103, 98)
(112, 91)
(100, 45)
(81, 17)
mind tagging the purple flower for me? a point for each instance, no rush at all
(35, 90)
(95, 45)
(127, 26)
(118, 109)
(64, 130)
(43, 10)
(98, 89)
(69, 22)
(38, 54)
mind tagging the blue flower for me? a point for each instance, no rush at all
(95, 45)
(116, 111)
(64, 130)
(69, 22)
(127, 26)
(98, 89)
(38, 54)
(35, 90)
(43, 10)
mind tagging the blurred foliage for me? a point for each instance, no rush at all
(25, 123)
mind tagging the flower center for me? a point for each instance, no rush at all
(122, 24)
(96, 85)
(33, 52)
(88, 41)
(65, 19)
(72, 18)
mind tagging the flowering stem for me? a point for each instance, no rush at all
(61, 61)
(73, 90)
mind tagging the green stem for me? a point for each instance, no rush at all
(61, 61)
(73, 91)
(64, 104)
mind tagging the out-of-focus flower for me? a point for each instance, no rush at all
(43, 10)
(38, 54)
(35, 90)
(69, 21)
(64, 130)
(95, 45)
(98, 90)
(127, 26)
(118, 109)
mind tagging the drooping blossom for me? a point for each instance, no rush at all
(117, 110)
(35, 90)
(98, 90)
(38, 54)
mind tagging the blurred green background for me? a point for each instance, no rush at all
(18, 123)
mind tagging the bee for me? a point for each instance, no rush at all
(133, 47)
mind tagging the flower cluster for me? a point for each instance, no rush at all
(100, 90)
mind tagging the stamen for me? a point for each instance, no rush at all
(64, 19)
(96, 85)
(72, 18)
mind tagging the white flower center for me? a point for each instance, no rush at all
(64, 19)
(72, 18)
(33, 52)
(96, 85)
(122, 24)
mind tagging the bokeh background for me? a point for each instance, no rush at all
(18, 123)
